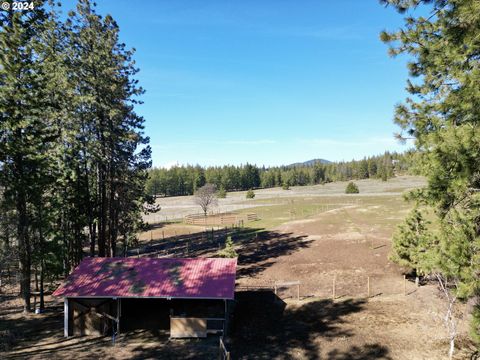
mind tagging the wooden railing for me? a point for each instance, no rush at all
(220, 219)
(223, 354)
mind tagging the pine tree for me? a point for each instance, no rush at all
(351, 188)
(412, 244)
(26, 138)
(229, 250)
(442, 116)
(112, 133)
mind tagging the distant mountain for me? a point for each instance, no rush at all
(310, 162)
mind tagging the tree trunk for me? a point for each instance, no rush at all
(42, 252)
(42, 271)
(103, 213)
(24, 250)
(452, 348)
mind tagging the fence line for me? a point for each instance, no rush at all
(220, 219)
(336, 287)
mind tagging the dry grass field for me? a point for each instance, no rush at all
(311, 234)
(178, 206)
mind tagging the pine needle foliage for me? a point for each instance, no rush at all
(352, 188)
(442, 116)
(229, 250)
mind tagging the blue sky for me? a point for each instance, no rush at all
(265, 82)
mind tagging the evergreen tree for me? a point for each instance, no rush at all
(442, 116)
(107, 95)
(412, 244)
(351, 188)
(26, 137)
(229, 250)
(72, 152)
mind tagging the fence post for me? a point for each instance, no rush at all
(334, 281)
(368, 286)
(163, 235)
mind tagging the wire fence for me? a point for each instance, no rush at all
(338, 286)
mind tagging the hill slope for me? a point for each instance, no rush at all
(310, 162)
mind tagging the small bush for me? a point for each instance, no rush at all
(384, 176)
(229, 250)
(285, 186)
(250, 194)
(221, 193)
(351, 188)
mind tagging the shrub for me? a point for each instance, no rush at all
(229, 250)
(351, 188)
(221, 193)
(285, 186)
(250, 194)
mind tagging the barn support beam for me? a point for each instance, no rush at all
(65, 317)
(119, 313)
(225, 322)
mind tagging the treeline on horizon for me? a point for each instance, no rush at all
(184, 180)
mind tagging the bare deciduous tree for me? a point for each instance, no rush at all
(206, 196)
(450, 319)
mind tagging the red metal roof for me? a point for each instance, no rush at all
(148, 277)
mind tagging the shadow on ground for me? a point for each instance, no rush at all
(264, 328)
(257, 248)
(41, 337)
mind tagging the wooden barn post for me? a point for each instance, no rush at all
(225, 319)
(65, 318)
(119, 313)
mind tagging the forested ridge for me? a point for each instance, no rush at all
(73, 156)
(184, 180)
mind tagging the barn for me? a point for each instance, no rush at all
(187, 297)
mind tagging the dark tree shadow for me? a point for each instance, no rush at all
(366, 352)
(263, 328)
(257, 248)
(41, 337)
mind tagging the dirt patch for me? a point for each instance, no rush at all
(266, 327)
